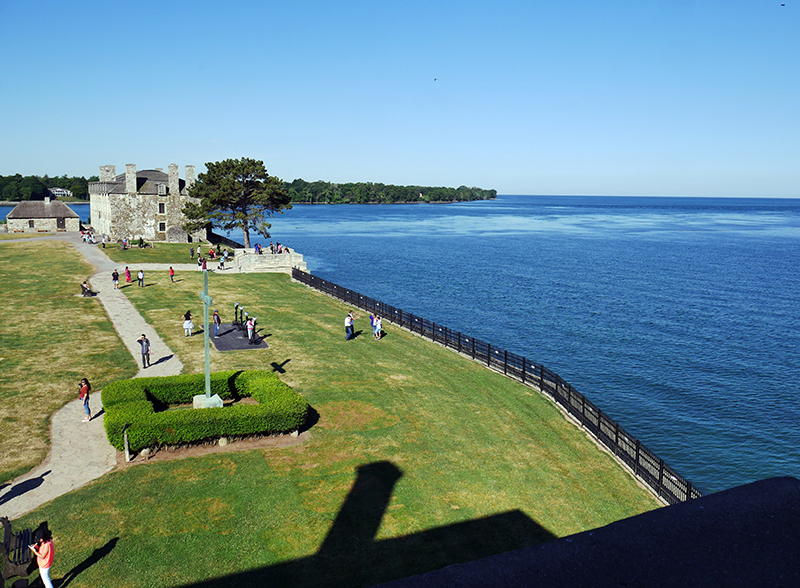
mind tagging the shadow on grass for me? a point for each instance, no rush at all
(278, 367)
(350, 556)
(95, 557)
(23, 487)
(312, 418)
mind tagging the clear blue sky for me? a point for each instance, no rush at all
(667, 97)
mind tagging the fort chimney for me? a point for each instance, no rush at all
(190, 177)
(130, 178)
(174, 180)
(108, 173)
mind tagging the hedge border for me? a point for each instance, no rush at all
(143, 404)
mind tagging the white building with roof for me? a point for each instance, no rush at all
(42, 216)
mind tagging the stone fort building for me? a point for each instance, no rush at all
(144, 204)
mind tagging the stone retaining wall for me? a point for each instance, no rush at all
(246, 261)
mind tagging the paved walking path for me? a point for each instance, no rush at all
(79, 451)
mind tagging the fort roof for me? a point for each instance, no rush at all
(147, 181)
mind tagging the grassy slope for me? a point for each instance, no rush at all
(49, 340)
(470, 444)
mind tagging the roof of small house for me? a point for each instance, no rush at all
(147, 181)
(41, 209)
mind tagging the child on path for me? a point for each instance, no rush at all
(84, 396)
(115, 279)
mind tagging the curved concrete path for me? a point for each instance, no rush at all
(80, 452)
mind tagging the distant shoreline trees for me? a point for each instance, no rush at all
(17, 188)
(319, 192)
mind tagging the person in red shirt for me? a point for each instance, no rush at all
(84, 396)
(44, 558)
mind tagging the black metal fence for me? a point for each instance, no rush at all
(645, 464)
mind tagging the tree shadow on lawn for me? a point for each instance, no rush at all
(350, 556)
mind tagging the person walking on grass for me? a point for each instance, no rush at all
(348, 326)
(141, 278)
(127, 274)
(188, 325)
(43, 549)
(84, 396)
(378, 328)
(145, 344)
(115, 279)
(217, 323)
(171, 274)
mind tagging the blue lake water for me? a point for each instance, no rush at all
(679, 317)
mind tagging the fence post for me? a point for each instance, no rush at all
(524, 368)
(473, 348)
(488, 355)
(660, 474)
(459, 341)
(636, 458)
(505, 363)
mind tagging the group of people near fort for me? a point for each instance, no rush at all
(129, 277)
(88, 237)
(349, 326)
(202, 262)
(273, 248)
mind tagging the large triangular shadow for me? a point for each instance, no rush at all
(351, 557)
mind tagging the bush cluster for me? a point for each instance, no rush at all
(143, 403)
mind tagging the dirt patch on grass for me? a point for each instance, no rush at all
(354, 415)
(167, 454)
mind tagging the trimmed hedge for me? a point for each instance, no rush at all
(143, 403)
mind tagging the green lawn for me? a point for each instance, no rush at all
(49, 339)
(456, 461)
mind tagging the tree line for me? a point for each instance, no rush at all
(302, 192)
(18, 187)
